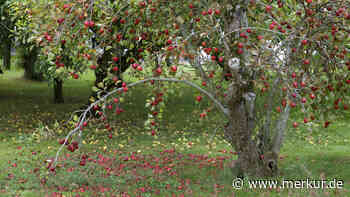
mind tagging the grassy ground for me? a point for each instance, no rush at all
(184, 159)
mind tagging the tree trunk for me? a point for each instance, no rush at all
(101, 73)
(7, 55)
(58, 91)
(29, 57)
(250, 160)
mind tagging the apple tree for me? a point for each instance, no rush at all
(65, 60)
(256, 60)
(6, 26)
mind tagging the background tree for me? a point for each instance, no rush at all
(27, 51)
(6, 26)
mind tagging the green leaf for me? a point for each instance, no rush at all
(108, 48)
(100, 85)
(95, 89)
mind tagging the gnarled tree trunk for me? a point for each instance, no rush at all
(253, 160)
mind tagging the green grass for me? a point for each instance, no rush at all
(26, 107)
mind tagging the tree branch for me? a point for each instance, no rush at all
(280, 130)
(82, 117)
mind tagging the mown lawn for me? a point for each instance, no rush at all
(185, 158)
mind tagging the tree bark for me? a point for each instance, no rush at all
(29, 58)
(58, 91)
(7, 55)
(239, 132)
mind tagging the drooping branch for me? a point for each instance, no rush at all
(83, 116)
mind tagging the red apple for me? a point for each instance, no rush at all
(326, 124)
(295, 124)
(135, 65)
(159, 70)
(115, 59)
(173, 68)
(295, 84)
(48, 38)
(284, 103)
(142, 4)
(82, 162)
(292, 104)
(304, 42)
(306, 120)
(312, 96)
(278, 109)
(93, 67)
(268, 8)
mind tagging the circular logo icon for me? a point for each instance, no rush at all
(237, 183)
